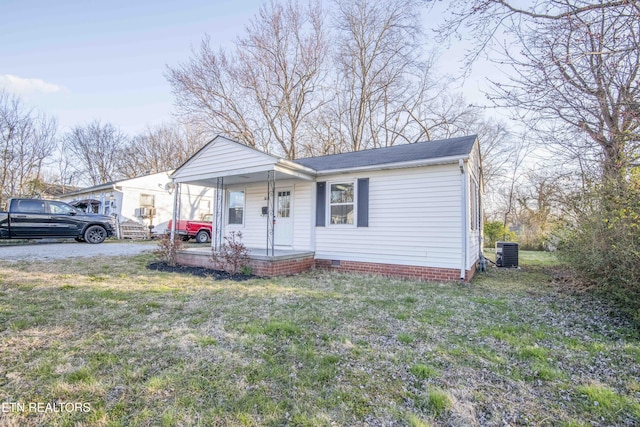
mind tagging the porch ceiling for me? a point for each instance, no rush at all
(246, 176)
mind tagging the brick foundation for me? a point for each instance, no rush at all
(470, 273)
(396, 270)
(281, 268)
(259, 266)
(295, 264)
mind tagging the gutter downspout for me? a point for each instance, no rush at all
(463, 216)
(483, 262)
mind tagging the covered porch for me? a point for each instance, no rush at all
(253, 194)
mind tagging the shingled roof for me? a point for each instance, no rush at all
(388, 155)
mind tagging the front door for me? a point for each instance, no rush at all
(283, 230)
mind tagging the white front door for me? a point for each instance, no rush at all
(283, 230)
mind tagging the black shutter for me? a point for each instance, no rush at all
(321, 188)
(363, 202)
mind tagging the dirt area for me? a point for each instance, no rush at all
(199, 272)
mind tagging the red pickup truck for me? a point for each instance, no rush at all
(191, 229)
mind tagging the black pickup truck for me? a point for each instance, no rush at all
(39, 219)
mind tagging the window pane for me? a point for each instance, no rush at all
(236, 199)
(342, 193)
(284, 204)
(235, 215)
(147, 200)
(342, 214)
(236, 207)
(475, 214)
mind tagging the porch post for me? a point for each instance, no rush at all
(213, 218)
(175, 216)
(218, 217)
(271, 207)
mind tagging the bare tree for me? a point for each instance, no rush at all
(325, 136)
(265, 92)
(281, 60)
(387, 89)
(513, 180)
(209, 95)
(440, 113)
(96, 149)
(538, 207)
(62, 170)
(497, 143)
(377, 48)
(575, 82)
(159, 149)
(27, 139)
(277, 90)
(574, 73)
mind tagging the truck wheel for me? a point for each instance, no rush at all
(202, 236)
(95, 234)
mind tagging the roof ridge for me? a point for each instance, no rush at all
(401, 153)
(474, 136)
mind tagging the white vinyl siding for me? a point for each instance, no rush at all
(414, 219)
(223, 155)
(195, 200)
(254, 230)
(303, 221)
(254, 227)
(415, 214)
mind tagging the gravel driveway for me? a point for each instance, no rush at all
(44, 250)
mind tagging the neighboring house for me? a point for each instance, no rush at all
(410, 210)
(40, 190)
(44, 190)
(146, 200)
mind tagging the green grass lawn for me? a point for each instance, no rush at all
(141, 347)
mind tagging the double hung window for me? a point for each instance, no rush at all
(236, 207)
(341, 203)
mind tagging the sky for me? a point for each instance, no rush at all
(85, 60)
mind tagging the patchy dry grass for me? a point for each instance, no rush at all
(149, 348)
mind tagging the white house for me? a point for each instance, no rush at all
(147, 200)
(410, 210)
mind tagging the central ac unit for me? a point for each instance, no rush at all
(506, 254)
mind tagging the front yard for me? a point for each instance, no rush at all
(128, 346)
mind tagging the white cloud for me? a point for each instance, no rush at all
(24, 86)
